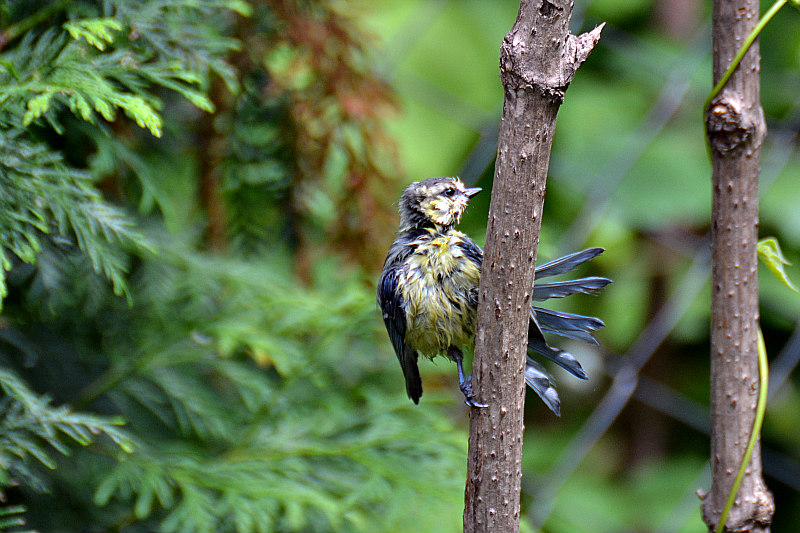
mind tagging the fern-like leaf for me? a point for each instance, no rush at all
(97, 32)
(44, 196)
(32, 428)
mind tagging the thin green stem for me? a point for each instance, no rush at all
(771, 12)
(119, 373)
(758, 421)
(107, 381)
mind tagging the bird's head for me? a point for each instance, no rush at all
(434, 202)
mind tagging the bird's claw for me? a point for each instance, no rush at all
(470, 401)
(469, 398)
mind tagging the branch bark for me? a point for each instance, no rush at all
(538, 59)
(736, 129)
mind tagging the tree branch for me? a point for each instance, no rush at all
(538, 59)
(736, 129)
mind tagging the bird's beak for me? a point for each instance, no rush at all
(472, 191)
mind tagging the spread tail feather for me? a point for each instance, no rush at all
(560, 289)
(567, 324)
(542, 384)
(538, 344)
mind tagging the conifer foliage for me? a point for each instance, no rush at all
(189, 193)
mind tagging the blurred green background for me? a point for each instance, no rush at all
(190, 341)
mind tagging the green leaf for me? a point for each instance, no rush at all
(37, 106)
(143, 113)
(31, 427)
(11, 516)
(96, 32)
(769, 251)
(30, 172)
(243, 8)
(9, 66)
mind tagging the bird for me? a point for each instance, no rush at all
(428, 293)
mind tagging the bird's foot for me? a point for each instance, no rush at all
(469, 398)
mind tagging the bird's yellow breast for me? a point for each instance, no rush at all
(439, 290)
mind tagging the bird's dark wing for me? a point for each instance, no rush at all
(560, 289)
(394, 316)
(472, 250)
(567, 263)
(538, 344)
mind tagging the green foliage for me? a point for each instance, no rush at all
(91, 71)
(11, 516)
(274, 434)
(247, 359)
(29, 422)
(96, 32)
(769, 251)
(43, 196)
(31, 428)
(314, 439)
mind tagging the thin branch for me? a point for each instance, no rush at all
(736, 129)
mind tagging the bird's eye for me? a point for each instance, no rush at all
(450, 191)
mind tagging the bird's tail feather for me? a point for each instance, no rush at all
(542, 384)
(567, 325)
(538, 344)
(560, 289)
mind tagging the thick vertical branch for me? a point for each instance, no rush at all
(736, 130)
(538, 60)
(211, 198)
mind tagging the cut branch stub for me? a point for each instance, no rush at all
(733, 125)
(522, 65)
